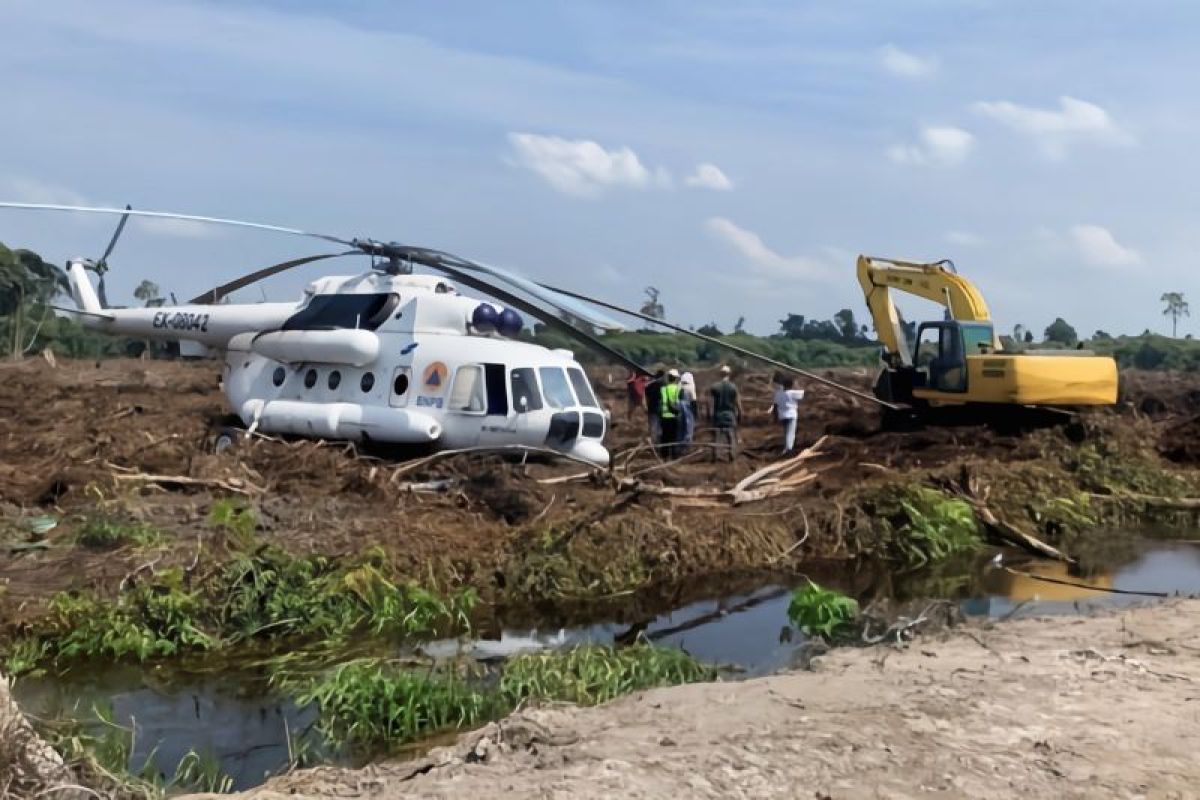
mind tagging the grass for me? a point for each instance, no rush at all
(109, 532)
(144, 623)
(237, 520)
(268, 597)
(821, 612)
(372, 704)
(591, 674)
(369, 703)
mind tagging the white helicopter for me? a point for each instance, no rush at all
(386, 356)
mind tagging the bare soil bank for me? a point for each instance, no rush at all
(1106, 706)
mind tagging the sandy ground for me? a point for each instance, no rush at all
(1106, 706)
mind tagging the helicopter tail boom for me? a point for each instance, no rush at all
(82, 291)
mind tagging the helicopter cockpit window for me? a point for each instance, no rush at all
(525, 394)
(330, 311)
(556, 388)
(582, 390)
(467, 393)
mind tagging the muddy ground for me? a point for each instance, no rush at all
(129, 440)
(1107, 706)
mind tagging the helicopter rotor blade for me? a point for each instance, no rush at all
(720, 343)
(170, 215)
(218, 293)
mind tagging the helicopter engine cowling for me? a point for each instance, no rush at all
(340, 421)
(351, 346)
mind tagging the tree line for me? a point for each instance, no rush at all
(30, 287)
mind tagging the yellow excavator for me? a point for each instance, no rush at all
(960, 361)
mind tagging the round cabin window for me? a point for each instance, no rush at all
(335, 379)
(310, 379)
(278, 377)
(368, 381)
(400, 385)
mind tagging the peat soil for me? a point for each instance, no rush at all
(131, 440)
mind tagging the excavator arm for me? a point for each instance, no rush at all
(936, 282)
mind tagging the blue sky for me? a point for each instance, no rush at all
(736, 156)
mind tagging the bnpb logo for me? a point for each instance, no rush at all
(435, 376)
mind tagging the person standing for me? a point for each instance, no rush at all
(687, 412)
(653, 394)
(635, 393)
(726, 415)
(669, 413)
(787, 399)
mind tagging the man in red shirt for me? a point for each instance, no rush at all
(635, 391)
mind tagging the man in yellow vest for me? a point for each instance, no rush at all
(670, 413)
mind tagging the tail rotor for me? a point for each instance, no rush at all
(101, 265)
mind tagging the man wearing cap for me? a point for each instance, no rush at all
(726, 414)
(669, 413)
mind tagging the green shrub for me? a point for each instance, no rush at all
(821, 612)
(935, 526)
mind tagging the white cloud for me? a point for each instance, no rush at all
(1099, 248)
(1055, 129)
(582, 167)
(709, 176)
(30, 190)
(963, 238)
(763, 260)
(938, 146)
(905, 64)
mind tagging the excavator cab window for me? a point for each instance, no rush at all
(940, 356)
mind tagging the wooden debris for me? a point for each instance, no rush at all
(772, 480)
(234, 485)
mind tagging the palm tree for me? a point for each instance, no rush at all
(1176, 307)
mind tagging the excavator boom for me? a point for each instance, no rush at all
(936, 282)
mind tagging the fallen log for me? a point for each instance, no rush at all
(1011, 534)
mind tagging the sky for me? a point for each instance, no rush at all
(737, 156)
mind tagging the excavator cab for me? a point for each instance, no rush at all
(941, 350)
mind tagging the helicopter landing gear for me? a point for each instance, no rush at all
(227, 438)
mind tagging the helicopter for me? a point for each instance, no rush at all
(386, 356)
(389, 356)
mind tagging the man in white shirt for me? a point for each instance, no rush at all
(786, 401)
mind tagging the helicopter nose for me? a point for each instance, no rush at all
(591, 450)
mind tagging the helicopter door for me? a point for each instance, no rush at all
(497, 390)
(401, 379)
